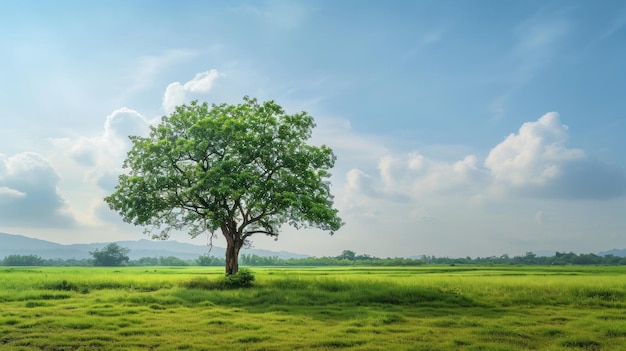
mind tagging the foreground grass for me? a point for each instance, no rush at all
(424, 308)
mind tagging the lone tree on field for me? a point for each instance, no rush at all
(243, 169)
(110, 255)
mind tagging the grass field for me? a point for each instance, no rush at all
(423, 308)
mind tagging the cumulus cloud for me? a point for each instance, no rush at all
(463, 177)
(103, 154)
(534, 154)
(358, 187)
(536, 162)
(107, 180)
(177, 93)
(125, 122)
(92, 164)
(407, 180)
(8, 195)
(414, 175)
(363, 198)
(29, 192)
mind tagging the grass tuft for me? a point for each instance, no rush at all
(61, 286)
(585, 344)
(339, 343)
(616, 333)
(252, 339)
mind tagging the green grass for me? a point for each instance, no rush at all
(355, 308)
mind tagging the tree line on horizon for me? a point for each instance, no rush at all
(346, 258)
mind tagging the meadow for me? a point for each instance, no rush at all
(353, 308)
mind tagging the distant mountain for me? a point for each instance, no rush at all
(11, 244)
(614, 252)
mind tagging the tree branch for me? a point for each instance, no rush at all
(259, 231)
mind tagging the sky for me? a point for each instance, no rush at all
(461, 128)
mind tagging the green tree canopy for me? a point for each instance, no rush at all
(110, 255)
(23, 260)
(347, 255)
(242, 169)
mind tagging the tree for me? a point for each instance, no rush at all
(110, 255)
(347, 255)
(206, 260)
(23, 260)
(242, 169)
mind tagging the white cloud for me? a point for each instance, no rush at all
(28, 168)
(534, 155)
(462, 178)
(416, 162)
(177, 93)
(386, 167)
(106, 151)
(533, 163)
(536, 162)
(357, 189)
(8, 195)
(405, 186)
(202, 82)
(29, 192)
(99, 160)
(414, 175)
(174, 96)
(125, 122)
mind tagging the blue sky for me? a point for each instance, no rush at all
(462, 128)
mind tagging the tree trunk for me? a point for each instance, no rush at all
(232, 256)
